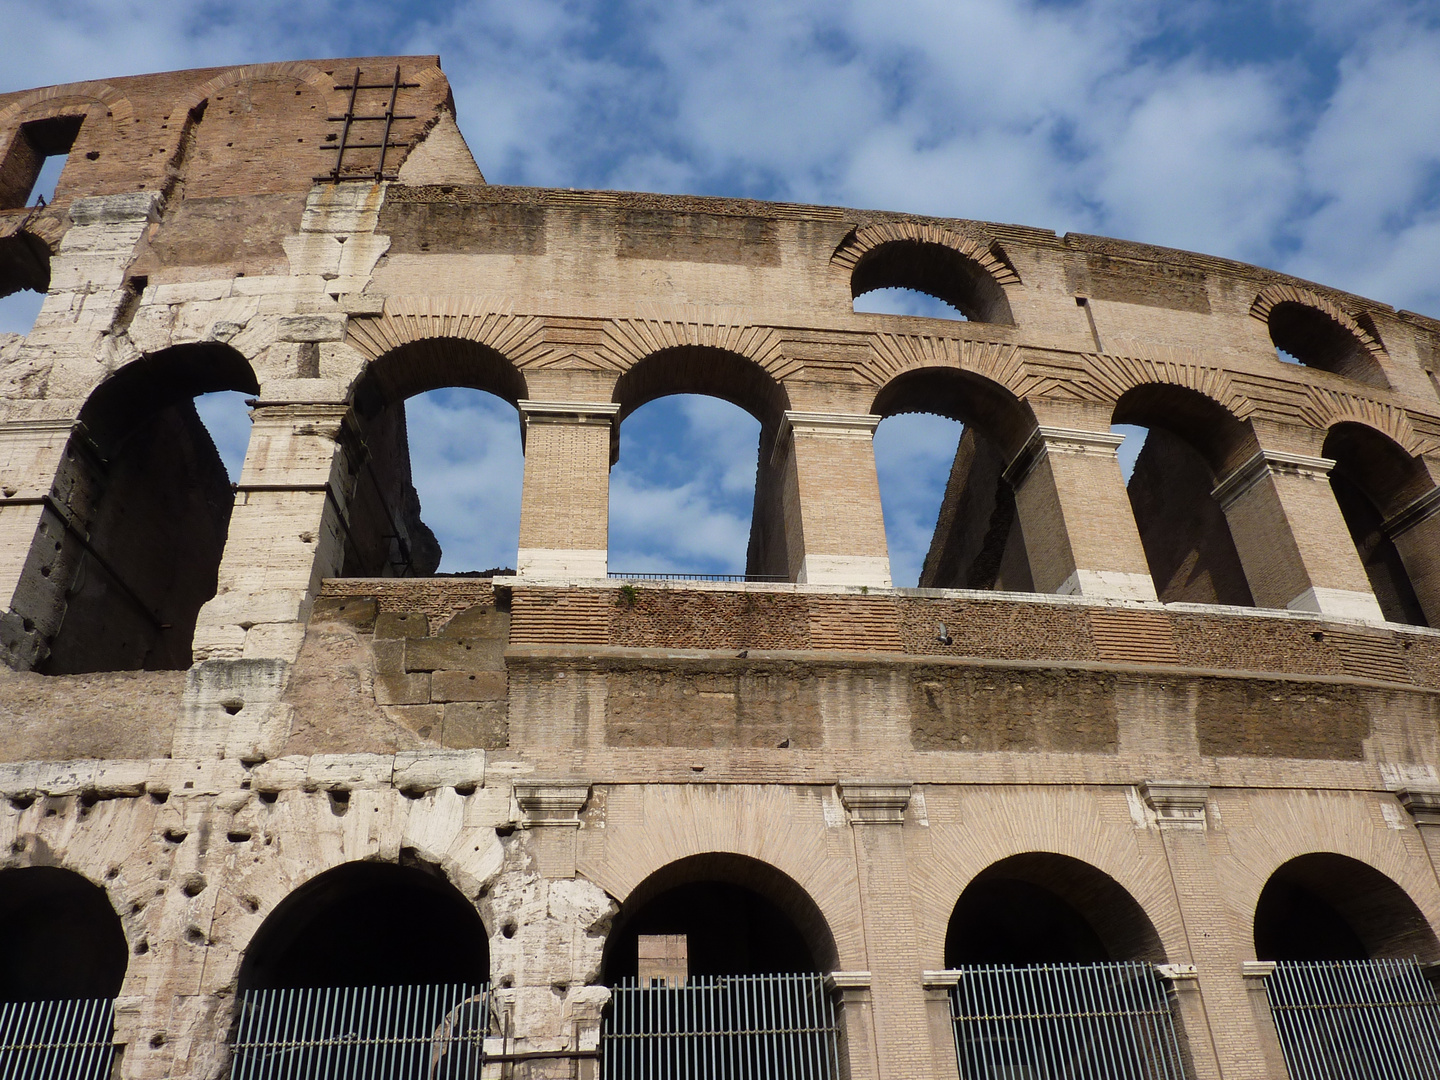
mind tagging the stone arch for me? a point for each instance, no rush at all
(1044, 907)
(964, 272)
(414, 366)
(369, 923)
(287, 69)
(1319, 333)
(778, 914)
(129, 548)
(706, 370)
(1388, 499)
(60, 936)
(957, 394)
(54, 100)
(1327, 906)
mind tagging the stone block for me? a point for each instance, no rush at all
(478, 725)
(454, 654)
(357, 611)
(312, 327)
(402, 689)
(467, 686)
(423, 720)
(401, 624)
(389, 656)
(329, 771)
(481, 621)
(428, 769)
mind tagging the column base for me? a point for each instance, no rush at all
(562, 562)
(1108, 585)
(1341, 603)
(869, 570)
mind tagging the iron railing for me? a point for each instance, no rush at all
(628, 575)
(1355, 1019)
(339, 1033)
(1076, 1021)
(57, 1040)
(724, 1027)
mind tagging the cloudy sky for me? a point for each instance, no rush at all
(1298, 134)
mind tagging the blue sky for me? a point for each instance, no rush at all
(1298, 134)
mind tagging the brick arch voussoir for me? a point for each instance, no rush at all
(985, 253)
(1273, 295)
(56, 100)
(408, 319)
(288, 69)
(1110, 377)
(1325, 408)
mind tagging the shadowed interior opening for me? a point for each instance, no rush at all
(1315, 339)
(59, 936)
(739, 916)
(1324, 906)
(369, 924)
(1042, 908)
(937, 271)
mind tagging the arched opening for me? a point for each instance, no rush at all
(64, 962)
(935, 271)
(1348, 994)
(130, 546)
(695, 436)
(1043, 908)
(1374, 480)
(1314, 338)
(24, 279)
(942, 450)
(59, 935)
(717, 958)
(1069, 952)
(1188, 443)
(437, 431)
(385, 964)
(1325, 906)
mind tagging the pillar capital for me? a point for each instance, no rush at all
(1059, 440)
(567, 412)
(1422, 803)
(876, 802)
(553, 803)
(1177, 802)
(1266, 463)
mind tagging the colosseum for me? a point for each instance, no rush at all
(1140, 783)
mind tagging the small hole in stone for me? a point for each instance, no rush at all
(483, 893)
(465, 789)
(93, 155)
(232, 707)
(412, 792)
(175, 836)
(503, 831)
(194, 885)
(339, 801)
(22, 802)
(112, 873)
(509, 929)
(159, 796)
(142, 947)
(250, 904)
(237, 836)
(194, 935)
(268, 797)
(157, 1040)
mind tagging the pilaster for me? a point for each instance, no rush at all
(1079, 530)
(565, 497)
(1292, 539)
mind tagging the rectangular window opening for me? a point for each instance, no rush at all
(36, 158)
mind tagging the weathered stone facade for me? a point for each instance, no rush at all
(212, 700)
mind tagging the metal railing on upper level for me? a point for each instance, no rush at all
(57, 1040)
(635, 575)
(339, 1033)
(1076, 1021)
(724, 1027)
(1355, 1019)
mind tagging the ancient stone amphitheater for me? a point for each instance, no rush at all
(1141, 783)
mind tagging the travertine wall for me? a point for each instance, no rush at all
(553, 743)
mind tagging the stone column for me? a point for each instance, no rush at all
(1079, 530)
(833, 522)
(855, 1011)
(1254, 974)
(1216, 1017)
(1292, 539)
(1415, 532)
(938, 985)
(565, 498)
(901, 1023)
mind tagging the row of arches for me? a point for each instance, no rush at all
(381, 924)
(148, 498)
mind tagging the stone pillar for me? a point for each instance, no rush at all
(565, 499)
(1079, 530)
(1415, 532)
(1254, 974)
(855, 1013)
(1218, 1022)
(832, 499)
(1291, 537)
(938, 985)
(901, 1023)
(552, 810)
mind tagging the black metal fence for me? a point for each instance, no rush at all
(1072, 1021)
(728, 1027)
(340, 1033)
(1355, 1019)
(57, 1040)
